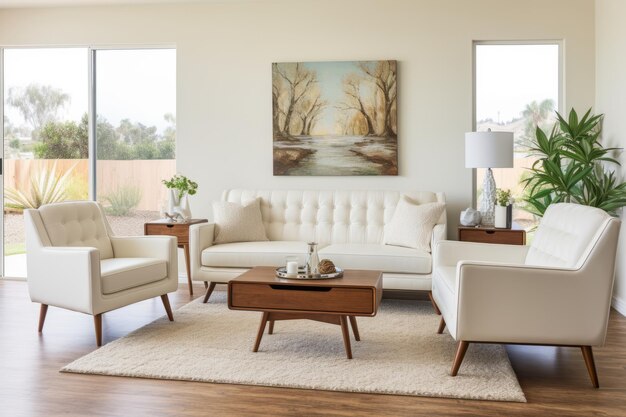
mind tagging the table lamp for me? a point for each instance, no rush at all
(488, 150)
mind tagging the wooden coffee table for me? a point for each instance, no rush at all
(334, 301)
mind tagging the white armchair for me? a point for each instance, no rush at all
(75, 262)
(555, 292)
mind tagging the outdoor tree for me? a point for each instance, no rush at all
(64, 140)
(38, 104)
(535, 114)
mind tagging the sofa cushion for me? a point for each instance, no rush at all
(249, 254)
(412, 224)
(118, 274)
(238, 223)
(378, 257)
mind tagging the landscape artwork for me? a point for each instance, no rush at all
(335, 118)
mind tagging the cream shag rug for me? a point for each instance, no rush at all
(400, 352)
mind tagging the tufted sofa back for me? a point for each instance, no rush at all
(566, 234)
(328, 217)
(77, 223)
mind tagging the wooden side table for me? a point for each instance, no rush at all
(513, 236)
(181, 231)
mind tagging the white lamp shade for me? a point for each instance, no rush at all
(489, 150)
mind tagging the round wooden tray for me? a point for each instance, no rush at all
(282, 273)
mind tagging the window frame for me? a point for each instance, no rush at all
(561, 78)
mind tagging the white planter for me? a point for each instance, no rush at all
(501, 220)
(179, 206)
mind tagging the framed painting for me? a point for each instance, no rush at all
(335, 118)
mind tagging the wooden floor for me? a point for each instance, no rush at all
(554, 380)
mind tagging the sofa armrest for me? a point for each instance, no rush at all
(450, 252)
(528, 304)
(67, 277)
(439, 233)
(159, 247)
(200, 238)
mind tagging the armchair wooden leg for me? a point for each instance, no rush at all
(42, 316)
(209, 291)
(432, 300)
(97, 321)
(442, 325)
(460, 354)
(206, 285)
(591, 365)
(168, 309)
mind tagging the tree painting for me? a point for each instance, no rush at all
(335, 118)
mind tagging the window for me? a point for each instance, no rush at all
(46, 146)
(135, 133)
(50, 150)
(517, 87)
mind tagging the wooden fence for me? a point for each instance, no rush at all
(146, 175)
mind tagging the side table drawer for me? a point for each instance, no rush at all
(245, 295)
(509, 237)
(180, 231)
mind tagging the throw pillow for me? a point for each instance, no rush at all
(238, 223)
(412, 224)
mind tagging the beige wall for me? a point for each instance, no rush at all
(611, 100)
(224, 53)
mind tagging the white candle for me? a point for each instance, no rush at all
(292, 267)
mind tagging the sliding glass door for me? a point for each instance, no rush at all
(84, 123)
(46, 141)
(135, 108)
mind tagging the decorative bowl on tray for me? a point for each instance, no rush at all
(282, 273)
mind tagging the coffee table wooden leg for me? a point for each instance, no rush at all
(259, 335)
(346, 335)
(355, 328)
(186, 251)
(271, 329)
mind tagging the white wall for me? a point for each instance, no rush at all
(611, 100)
(224, 74)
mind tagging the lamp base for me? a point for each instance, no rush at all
(488, 200)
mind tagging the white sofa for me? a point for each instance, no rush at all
(347, 225)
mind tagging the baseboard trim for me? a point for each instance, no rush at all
(619, 305)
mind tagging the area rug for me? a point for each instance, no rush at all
(399, 353)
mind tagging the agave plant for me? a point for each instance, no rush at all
(572, 167)
(46, 186)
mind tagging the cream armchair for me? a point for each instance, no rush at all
(555, 292)
(75, 262)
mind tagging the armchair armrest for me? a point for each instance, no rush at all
(200, 238)
(159, 247)
(450, 252)
(67, 277)
(510, 303)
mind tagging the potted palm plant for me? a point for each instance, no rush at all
(573, 166)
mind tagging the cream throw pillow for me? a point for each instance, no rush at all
(237, 223)
(412, 224)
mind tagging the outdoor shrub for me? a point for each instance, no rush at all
(122, 200)
(46, 186)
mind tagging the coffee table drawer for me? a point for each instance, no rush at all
(359, 301)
